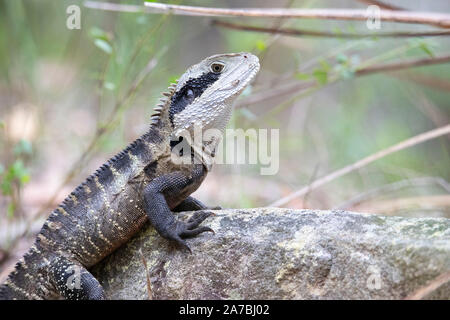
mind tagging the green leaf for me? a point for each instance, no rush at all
(325, 65)
(97, 33)
(341, 58)
(103, 45)
(11, 209)
(302, 76)
(347, 73)
(18, 172)
(109, 86)
(6, 187)
(261, 45)
(427, 46)
(23, 147)
(321, 76)
(173, 79)
(427, 49)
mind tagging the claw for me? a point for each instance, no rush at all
(182, 243)
(180, 230)
(192, 233)
(197, 218)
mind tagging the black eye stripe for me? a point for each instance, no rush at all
(183, 97)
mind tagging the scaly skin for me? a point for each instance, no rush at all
(141, 182)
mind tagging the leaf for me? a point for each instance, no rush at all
(109, 86)
(341, 58)
(321, 76)
(23, 147)
(97, 33)
(325, 65)
(18, 172)
(11, 209)
(173, 79)
(302, 76)
(347, 73)
(103, 45)
(261, 45)
(427, 49)
(6, 187)
(426, 46)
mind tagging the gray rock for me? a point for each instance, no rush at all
(271, 253)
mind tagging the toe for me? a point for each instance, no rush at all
(197, 218)
(194, 232)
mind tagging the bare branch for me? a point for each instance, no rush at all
(107, 6)
(294, 87)
(389, 188)
(324, 34)
(382, 5)
(396, 205)
(402, 65)
(364, 162)
(438, 83)
(440, 19)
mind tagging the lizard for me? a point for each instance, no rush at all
(141, 183)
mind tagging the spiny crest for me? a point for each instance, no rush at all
(164, 102)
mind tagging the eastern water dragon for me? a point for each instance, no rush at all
(141, 183)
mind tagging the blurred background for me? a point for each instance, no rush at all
(70, 99)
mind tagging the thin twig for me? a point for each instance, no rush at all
(394, 206)
(441, 19)
(108, 6)
(430, 287)
(296, 86)
(439, 83)
(364, 162)
(402, 65)
(325, 34)
(388, 188)
(100, 132)
(147, 276)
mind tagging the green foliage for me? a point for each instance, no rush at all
(172, 79)
(428, 46)
(321, 73)
(302, 76)
(344, 67)
(261, 45)
(23, 147)
(337, 125)
(15, 173)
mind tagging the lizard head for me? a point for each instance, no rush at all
(205, 93)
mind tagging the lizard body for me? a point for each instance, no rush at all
(140, 183)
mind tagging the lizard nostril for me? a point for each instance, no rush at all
(245, 56)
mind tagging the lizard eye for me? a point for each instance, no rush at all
(217, 67)
(189, 93)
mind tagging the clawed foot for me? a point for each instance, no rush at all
(189, 229)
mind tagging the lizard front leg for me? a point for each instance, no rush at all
(162, 218)
(192, 204)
